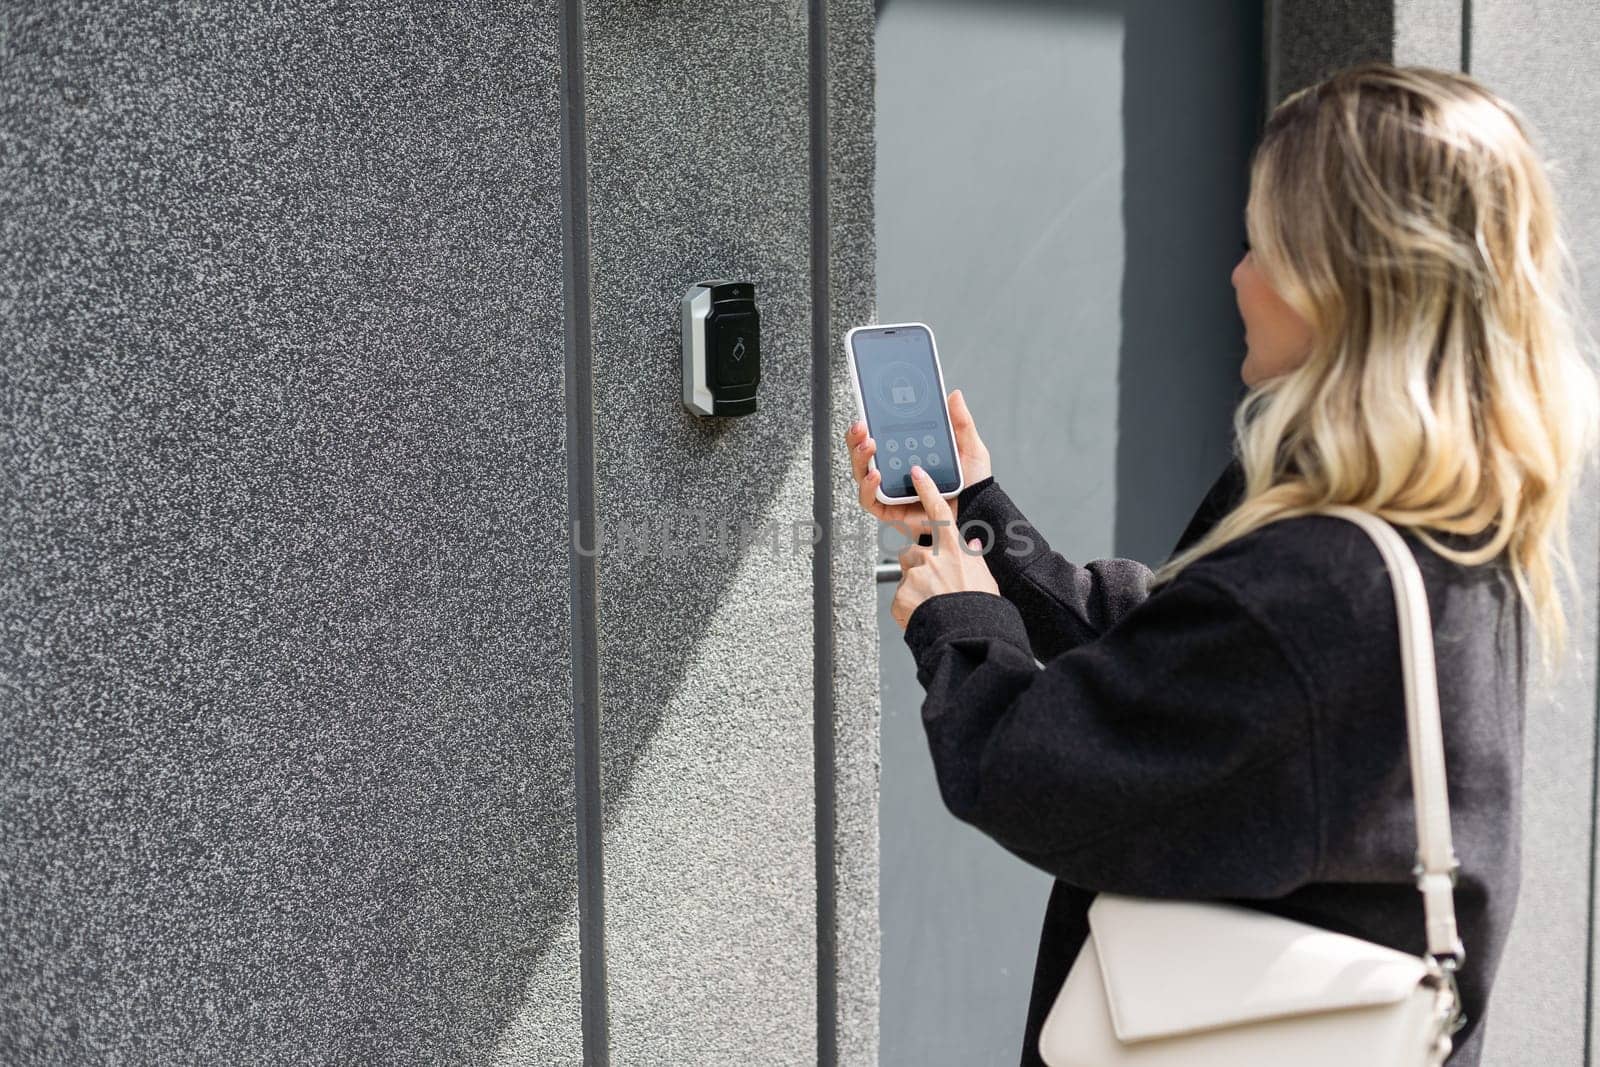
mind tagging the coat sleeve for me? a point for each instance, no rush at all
(1172, 756)
(1062, 604)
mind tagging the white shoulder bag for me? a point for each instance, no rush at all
(1164, 983)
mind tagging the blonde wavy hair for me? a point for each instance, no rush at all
(1404, 214)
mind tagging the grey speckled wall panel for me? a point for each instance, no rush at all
(285, 728)
(699, 167)
(1310, 39)
(855, 703)
(1542, 57)
(705, 657)
(289, 607)
(1314, 38)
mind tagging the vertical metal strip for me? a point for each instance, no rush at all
(1466, 36)
(822, 447)
(1589, 1021)
(584, 593)
(1594, 871)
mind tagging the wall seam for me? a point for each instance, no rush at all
(1594, 870)
(584, 592)
(823, 745)
(1589, 939)
(1269, 50)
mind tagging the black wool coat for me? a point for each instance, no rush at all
(1238, 735)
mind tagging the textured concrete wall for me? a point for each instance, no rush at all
(1311, 39)
(852, 678)
(285, 740)
(704, 661)
(1542, 57)
(287, 686)
(699, 166)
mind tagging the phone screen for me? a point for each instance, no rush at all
(905, 408)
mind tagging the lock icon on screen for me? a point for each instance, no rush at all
(902, 391)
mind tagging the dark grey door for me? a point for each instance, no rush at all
(1060, 191)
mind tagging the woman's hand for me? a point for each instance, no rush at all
(946, 566)
(911, 519)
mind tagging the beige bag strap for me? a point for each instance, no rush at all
(1436, 859)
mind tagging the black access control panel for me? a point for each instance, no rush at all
(733, 336)
(721, 347)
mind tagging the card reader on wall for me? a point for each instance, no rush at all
(721, 347)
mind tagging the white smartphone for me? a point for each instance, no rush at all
(900, 392)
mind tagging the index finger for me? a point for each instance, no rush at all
(935, 507)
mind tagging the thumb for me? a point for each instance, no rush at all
(961, 420)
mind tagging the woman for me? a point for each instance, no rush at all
(1232, 725)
